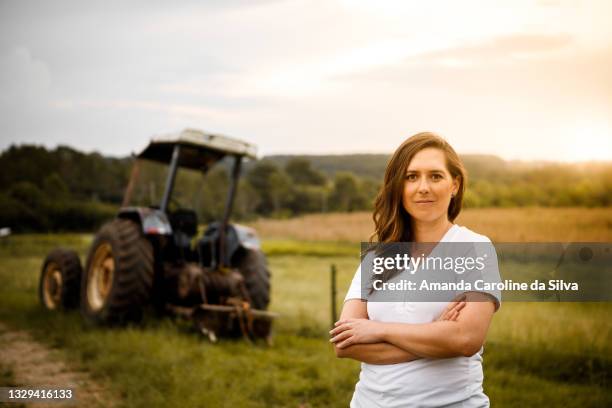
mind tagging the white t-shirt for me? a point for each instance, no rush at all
(426, 382)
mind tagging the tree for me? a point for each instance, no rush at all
(346, 194)
(280, 189)
(55, 188)
(212, 195)
(247, 200)
(272, 184)
(308, 199)
(302, 173)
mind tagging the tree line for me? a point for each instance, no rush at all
(64, 189)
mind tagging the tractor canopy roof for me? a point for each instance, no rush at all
(199, 150)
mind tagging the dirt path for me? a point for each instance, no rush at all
(34, 364)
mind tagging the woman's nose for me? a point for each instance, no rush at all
(423, 185)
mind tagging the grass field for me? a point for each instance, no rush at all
(499, 224)
(547, 354)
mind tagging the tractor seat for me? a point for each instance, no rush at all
(184, 224)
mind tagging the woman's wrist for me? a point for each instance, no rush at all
(383, 332)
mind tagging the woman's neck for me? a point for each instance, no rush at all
(432, 231)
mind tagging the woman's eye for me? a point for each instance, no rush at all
(411, 177)
(436, 177)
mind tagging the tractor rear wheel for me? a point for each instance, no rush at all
(60, 280)
(118, 279)
(253, 266)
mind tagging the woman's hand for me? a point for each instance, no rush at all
(356, 331)
(363, 331)
(451, 312)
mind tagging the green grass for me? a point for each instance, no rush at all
(537, 353)
(274, 247)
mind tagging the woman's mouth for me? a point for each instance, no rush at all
(424, 202)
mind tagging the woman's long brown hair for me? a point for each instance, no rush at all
(391, 221)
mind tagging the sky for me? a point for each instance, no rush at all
(523, 80)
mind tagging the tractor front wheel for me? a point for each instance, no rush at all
(118, 279)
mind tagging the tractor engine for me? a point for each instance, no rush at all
(190, 284)
(217, 301)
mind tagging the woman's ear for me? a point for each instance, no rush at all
(456, 184)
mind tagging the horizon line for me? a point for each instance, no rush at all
(349, 153)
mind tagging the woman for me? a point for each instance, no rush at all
(424, 353)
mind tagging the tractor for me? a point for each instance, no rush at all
(151, 257)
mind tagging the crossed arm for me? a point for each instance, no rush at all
(459, 331)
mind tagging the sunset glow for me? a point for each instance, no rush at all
(522, 80)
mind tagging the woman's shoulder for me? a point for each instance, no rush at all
(464, 234)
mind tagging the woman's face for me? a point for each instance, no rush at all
(428, 186)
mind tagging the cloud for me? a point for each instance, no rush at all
(25, 82)
(549, 3)
(500, 49)
(317, 77)
(172, 110)
(23, 79)
(332, 75)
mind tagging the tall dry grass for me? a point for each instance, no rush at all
(499, 224)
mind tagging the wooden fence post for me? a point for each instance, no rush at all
(334, 316)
